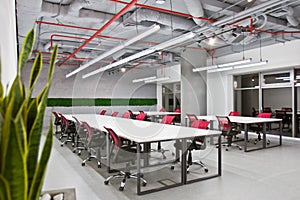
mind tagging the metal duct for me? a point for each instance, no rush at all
(145, 15)
(77, 5)
(195, 9)
(291, 18)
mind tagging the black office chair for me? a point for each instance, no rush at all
(229, 130)
(68, 131)
(94, 143)
(121, 153)
(258, 128)
(80, 137)
(198, 143)
(57, 122)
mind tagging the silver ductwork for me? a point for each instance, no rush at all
(77, 5)
(144, 15)
(195, 9)
(291, 18)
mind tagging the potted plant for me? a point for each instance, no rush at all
(22, 163)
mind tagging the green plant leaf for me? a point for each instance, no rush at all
(39, 174)
(26, 50)
(4, 189)
(15, 168)
(16, 95)
(35, 71)
(31, 114)
(52, 63)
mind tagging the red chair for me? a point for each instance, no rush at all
(177, 117)
(234, 113)
(126, 114)
(57, 122)
(162, 110)
(94, 142)
(229, 130)
(142, 116)
(102, 112)
(192, 118)
(114, 114)
(121, 153)
(258, 128)
(167, 119)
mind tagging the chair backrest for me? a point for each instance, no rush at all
(178, 111)
(64, 121)
(162, 110)
(224, 123)
(141, 116)
(267, 110)
(102, 112)
(264, 115)
(132, 116)
(126, 114)
(287, 109)
(192, 117)
(114, 137)
(201, 124)
(94, 139)
(234, 113)
(114, 114)
(77, 122)
(167, 119)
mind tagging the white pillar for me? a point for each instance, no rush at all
(8, 42)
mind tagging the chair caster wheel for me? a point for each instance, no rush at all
(79, 154)
(73, 145)
(188, 172)
(121, 188)
(61, 145)
(206, 170)
(142, 175)
(82, 164)
(144, 184)
(172, 167)
(106, 182)
(99, 165)
(74, 151)
(226, 149)
(240, 148)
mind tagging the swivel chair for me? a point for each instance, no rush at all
(57, 122)
(126, 114)
(114, 114)
(229, 130)
(142, 116)
(198, 143)
(68, 131)
(234, 113)
(102, 112)
(121, 153)
(258, 128)
(162, 110)
(94, 142)
(80, 136)
(192, 118)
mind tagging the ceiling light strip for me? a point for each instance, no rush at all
(239, 62)
(164, 45)
(143, 79)
(142, 35)
(157, 79)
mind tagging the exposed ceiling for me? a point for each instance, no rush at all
(103, 25)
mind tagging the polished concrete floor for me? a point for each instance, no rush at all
(261, 175)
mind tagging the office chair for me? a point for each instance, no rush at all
(132, 116)
(258, 128)
(142, 116)
(177, 118)
(229, 130)
(68, 131)
(126, 114)
(80, 136)
(57, 122)
(102, 112)
(167, 119)
(198, 143)
(162, 110)
(121, 153)
(114, 114)
(254, 112)
(94, 142)
(192, 118)
(234, 113)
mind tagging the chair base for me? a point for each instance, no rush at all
(125, 176)
(227, 145)
(89, 159)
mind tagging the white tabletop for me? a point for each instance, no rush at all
(207, 117)
(153, 113)
(142, 131)
(252, 120)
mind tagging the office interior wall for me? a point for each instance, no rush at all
(193, 85)
(8, 43)
(279, 56)
(276, 98)
(249, 100)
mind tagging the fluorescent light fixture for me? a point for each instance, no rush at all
(160, 1)
(164, 45)
(142, 35)
(239, 62)
(143, 79)
(157, 79)
(254, 64)
(219, 69)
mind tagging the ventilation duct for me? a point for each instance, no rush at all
(144, 15)
(291, 18)
(195, 9)
(77, 5)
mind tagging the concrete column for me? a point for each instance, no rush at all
(8, 44)
(193, 84)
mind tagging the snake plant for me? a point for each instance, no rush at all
(22, 162)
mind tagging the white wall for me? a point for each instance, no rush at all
(8, 44)
(220, 90)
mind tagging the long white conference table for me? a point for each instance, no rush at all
(246, 121)
(143, 133)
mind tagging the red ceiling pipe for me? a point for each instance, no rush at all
(132, 3)
(166, 11)
(243, 19)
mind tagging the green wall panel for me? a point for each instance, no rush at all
(67, 102)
